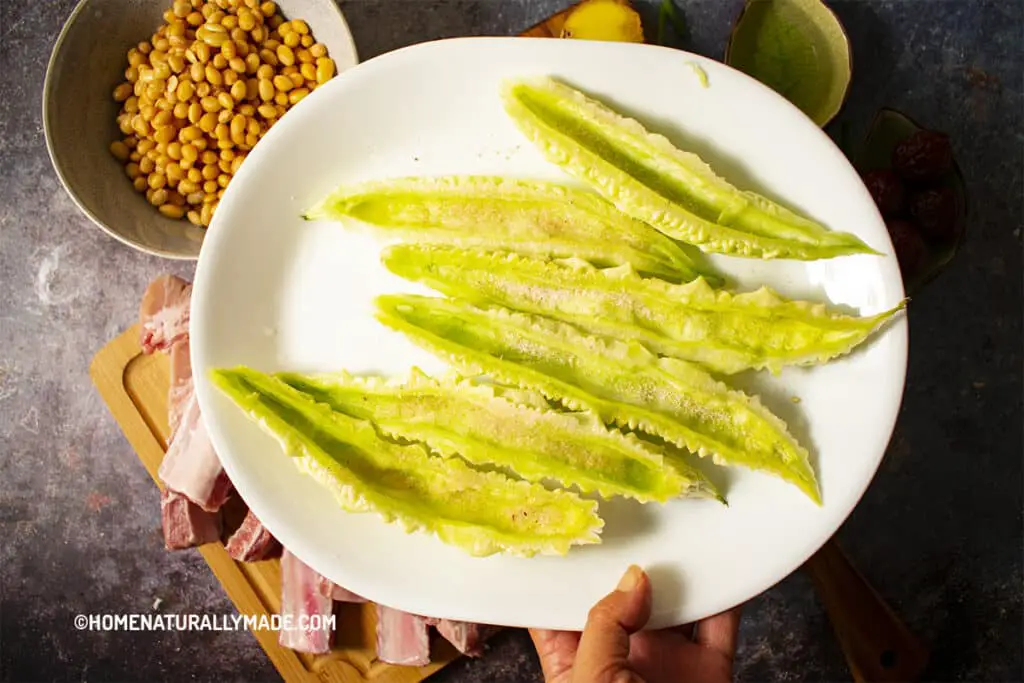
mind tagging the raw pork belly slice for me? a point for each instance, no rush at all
(164, 317)
(301, 596)
(164, 313)
(467, 638)
(185, 524)
(336, 592)
(402, 638)
(252, 542)
(191, 466)
(180, 392)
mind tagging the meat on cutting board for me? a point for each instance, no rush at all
(468, 638)
(191, 466)
(185, 524)
(402, 638)
(252, 542)
(336, 592)
(197, 487)
(180, 392)
(190, 470)
(164, 313)
(301, 596)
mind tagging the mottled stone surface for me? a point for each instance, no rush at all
(938, 532)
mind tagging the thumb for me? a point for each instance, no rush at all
(603, 654)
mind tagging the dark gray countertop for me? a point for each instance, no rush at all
(939, 532)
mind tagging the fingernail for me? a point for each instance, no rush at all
(630, 579)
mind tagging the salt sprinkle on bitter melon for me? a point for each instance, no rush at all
(529, 217)
(623, 383)
(724, 332)
(479, 512)
(458, 417)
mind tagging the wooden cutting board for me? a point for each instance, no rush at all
(134, 387)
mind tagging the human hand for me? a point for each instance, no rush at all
(613, 649)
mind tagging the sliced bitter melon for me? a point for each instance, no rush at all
(480, 512)
(455, 417)
(523, 216)
(648, 178)
(622, 382)
(724, 332)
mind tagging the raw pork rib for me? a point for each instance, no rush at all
(191, 466)
(402, 638)
(185, 524)
(300, 595)
(467, 638)
(164, 313)
(336, 592)
(252, 542)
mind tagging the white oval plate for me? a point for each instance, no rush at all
(275, 292)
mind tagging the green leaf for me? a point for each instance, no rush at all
(671, 16)
(796, 47)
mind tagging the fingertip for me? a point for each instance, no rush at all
(634, 588)
(604, 645)
(635, 608)
(631, 580)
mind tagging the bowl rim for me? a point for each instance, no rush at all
(352, 55)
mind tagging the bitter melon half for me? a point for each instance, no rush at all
(724, 332)
(524, 216)
(479, 512)
(457, 417)
(622, 382)
(650, 179)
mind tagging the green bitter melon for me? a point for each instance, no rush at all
(622, 382)
(480, 512)
(530, 217)
(648, 178)
(724, 332)
(457, 417)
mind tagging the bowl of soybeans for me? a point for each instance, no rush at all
(150, 108)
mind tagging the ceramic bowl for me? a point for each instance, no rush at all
(79, 113)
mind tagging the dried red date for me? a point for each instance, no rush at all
(935, 211)
(886, 189)
(911, 251)
(925, 155)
